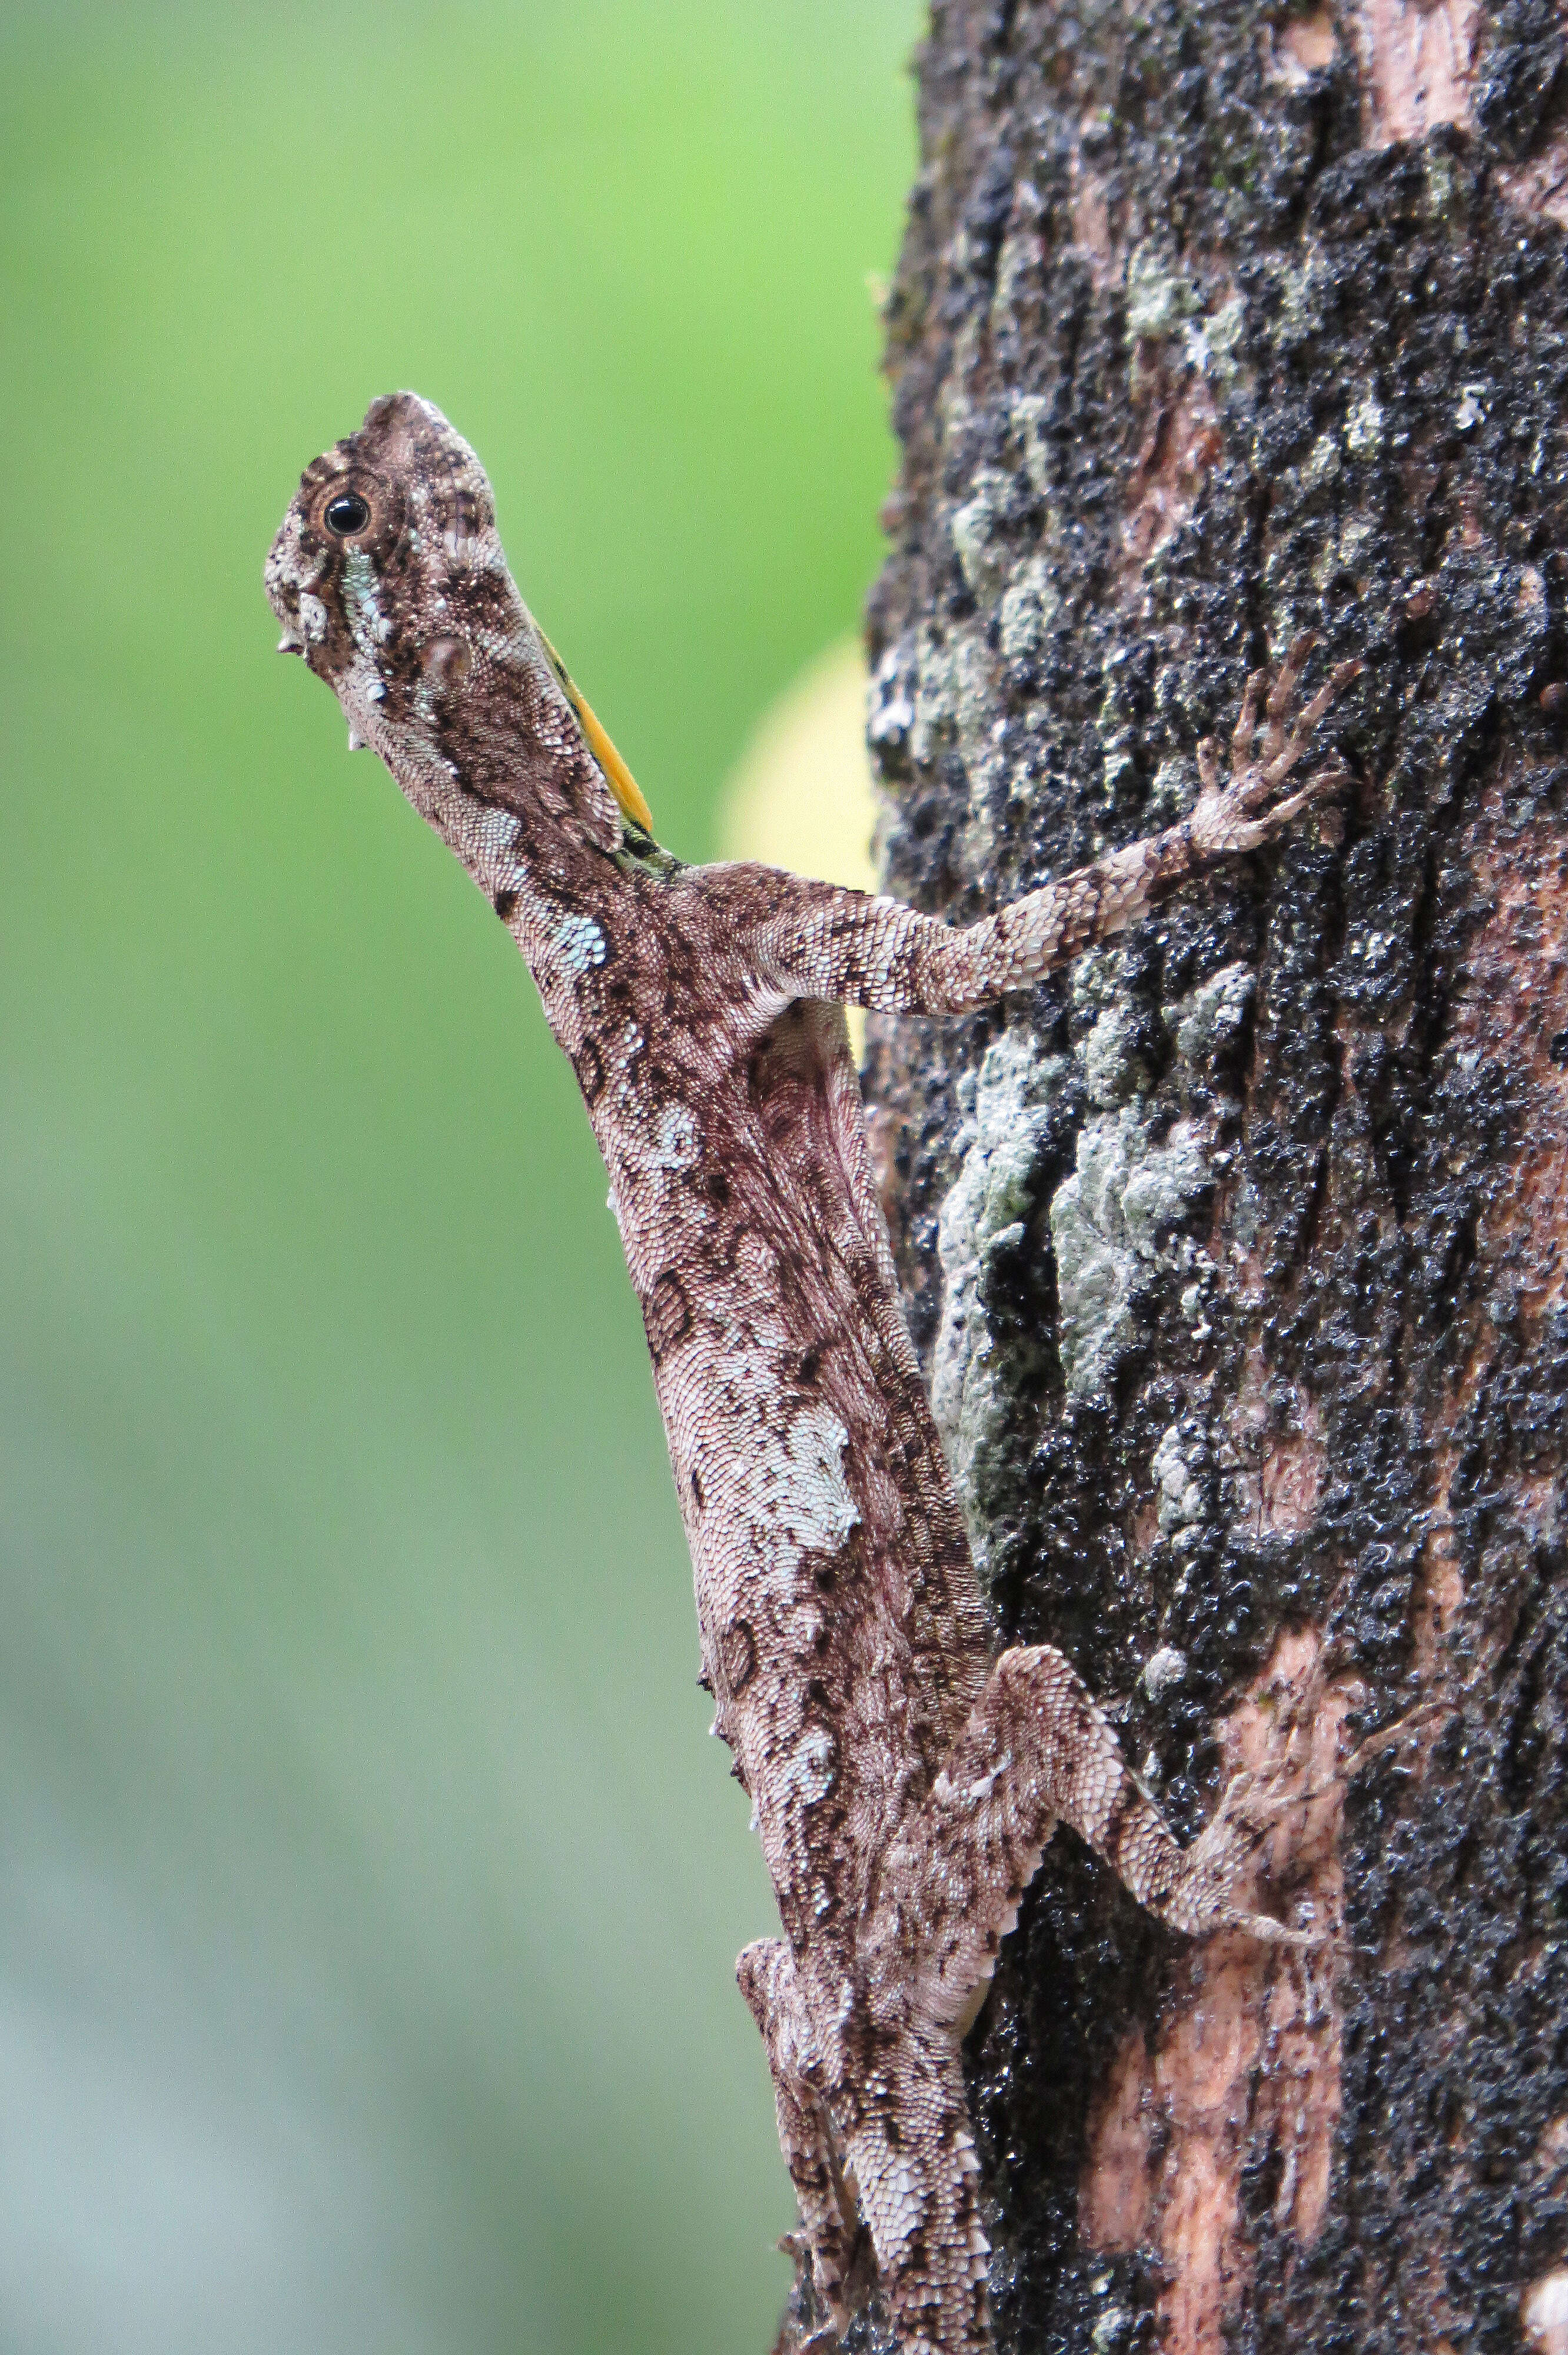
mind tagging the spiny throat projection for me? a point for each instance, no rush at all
(904, 1779)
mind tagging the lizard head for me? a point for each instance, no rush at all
(388, 577)
(387, 549)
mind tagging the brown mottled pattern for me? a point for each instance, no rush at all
(905, 1785)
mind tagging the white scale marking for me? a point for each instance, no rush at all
(581, 943)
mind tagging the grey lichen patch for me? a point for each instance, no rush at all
(1020, 260)
(1347, 552)
(1029, 419)
(955, 409)
(1173, 790)
(1222, 338)
(1108, 1222)
(1306, 293)
(1028, 610)
(955, 710)
(1357, 543)
(1324, 462)
(1207, 1022)
(1113, 2330)
(1182, 1501)
(1097, 981)
(1010, 1135)
(1245, 1215)
(1114, 1067)
(1117, 728)
(1163, 1671)
(889, 702)
(1159, 296)
(952, 699)
(1364, 426)
(978, 527)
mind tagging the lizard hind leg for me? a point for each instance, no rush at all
(1036, 1749)
(828, 2220)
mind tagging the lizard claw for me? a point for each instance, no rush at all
(1222, 1859)
(1244, 813)
(1270, 1933)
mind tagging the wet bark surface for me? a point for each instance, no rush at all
(1237, 1256)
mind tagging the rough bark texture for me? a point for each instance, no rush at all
(1237, 1259)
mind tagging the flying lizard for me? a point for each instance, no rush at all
(904, 1778)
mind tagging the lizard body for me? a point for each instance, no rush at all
(904, 1781)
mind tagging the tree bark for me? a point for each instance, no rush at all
(1236, 1257)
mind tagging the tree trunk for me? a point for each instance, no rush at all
(1236, 1256)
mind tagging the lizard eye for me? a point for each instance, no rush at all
(346, 515)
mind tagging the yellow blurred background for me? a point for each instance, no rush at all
(368, 1889)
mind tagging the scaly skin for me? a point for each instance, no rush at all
(904, 1781)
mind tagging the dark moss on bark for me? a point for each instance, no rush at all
(1181, 365)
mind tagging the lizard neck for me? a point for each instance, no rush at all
(469, 714)
(509, 801)
(491, 756)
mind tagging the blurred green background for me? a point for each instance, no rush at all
(368, 1889)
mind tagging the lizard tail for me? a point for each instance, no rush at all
(913, 2159)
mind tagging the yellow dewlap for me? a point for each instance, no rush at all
(617, 776)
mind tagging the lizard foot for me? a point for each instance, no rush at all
(1222, 1857)
(1239, 814)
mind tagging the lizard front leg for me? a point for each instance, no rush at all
(828, 2213)
(818, 940)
